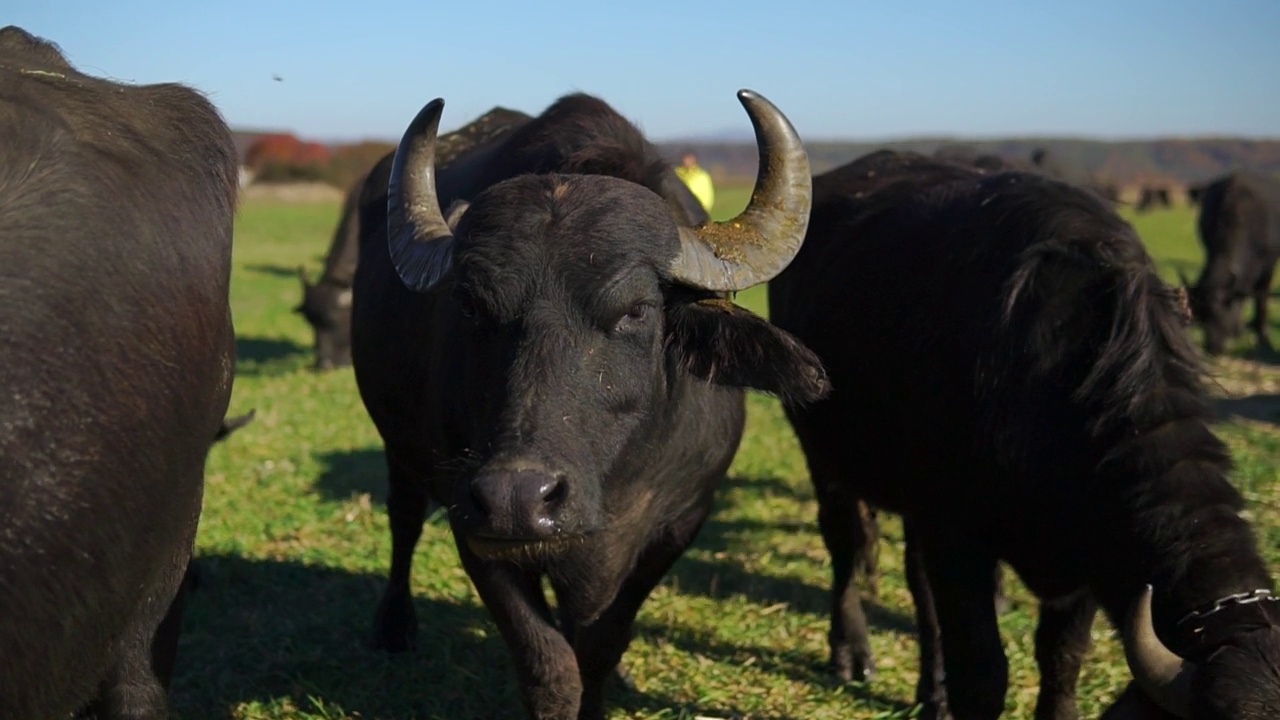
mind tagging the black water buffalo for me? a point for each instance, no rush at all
(1010, 373)
(326, 304)
(1240, 230)
(1152, 196)
(558, 365)
(116, 207)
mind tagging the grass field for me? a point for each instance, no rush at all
(294, 548)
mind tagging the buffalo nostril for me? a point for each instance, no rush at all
(553, 492)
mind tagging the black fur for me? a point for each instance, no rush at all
(1010, 373)
(116, 208)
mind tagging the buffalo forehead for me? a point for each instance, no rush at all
(583, 231)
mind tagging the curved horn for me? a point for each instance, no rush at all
(420, 241)
(757, 244)
(1162, 675)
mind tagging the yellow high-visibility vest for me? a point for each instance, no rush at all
(699, 182)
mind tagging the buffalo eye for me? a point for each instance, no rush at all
(634, 316)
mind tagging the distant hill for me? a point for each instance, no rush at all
(1169, 161)
(1162, 161)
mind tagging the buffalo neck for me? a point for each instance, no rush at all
(1176, 521)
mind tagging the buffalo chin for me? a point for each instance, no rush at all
(520, 550)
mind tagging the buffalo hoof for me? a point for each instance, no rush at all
(395, 628)
(935, 710)
(623, 677)
(853, 665)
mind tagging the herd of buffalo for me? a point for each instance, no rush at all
(540, 319)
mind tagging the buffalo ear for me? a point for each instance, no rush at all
(725, 344)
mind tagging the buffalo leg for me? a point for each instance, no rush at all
(846, 538)
(1262, 294)
(131, 690)
(869, 559)
(962, 578)
(396, 623)
(1062, 639)
(600, 645)
(930, 688)
(547, 670)
(164, 646)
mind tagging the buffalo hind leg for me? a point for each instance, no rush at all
(962, 579)
(545, 665)
(600, 645)
(869, 559)
(131, 690)
(1062, 640)
(164, 646)
(846, 538)
(396, 623)
(930, 688)
(1261, 295)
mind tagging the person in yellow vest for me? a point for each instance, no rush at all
(698, 180)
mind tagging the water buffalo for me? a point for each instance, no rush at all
(1153, 196)
(1011, 375)
(116, 206)
(326, 304)
(1240, 230)
(542, 335)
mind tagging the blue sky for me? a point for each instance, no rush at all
(966, 68)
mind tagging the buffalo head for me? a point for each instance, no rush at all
(588, 334)
(1239, 679)
(1217, 305)
(326, 306)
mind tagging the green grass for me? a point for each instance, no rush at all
(294, 548)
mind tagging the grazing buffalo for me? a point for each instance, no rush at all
(116, 205)
(1012, 376)
(326, 304)
(542, 336)
(1240, 231)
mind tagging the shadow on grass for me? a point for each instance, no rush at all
(794, 665)
(770, 486)
(292, 638)
(1262, 407)
(257, 356)
(347, 474)
(720, 578)
(279, 271)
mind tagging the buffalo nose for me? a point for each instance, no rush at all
(519, 503)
